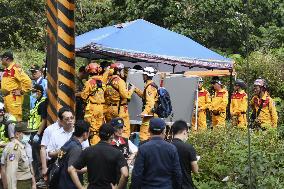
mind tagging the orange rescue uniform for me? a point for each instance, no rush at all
(238, 109)
(203, 102)
(93, 94)
(268, 115)
(116, 97)
(150, 98)
(14, 79)
(218, 107)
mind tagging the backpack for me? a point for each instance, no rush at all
(164, 107)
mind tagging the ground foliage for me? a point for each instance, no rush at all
(225, 153)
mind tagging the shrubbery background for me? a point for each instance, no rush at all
(225, 153)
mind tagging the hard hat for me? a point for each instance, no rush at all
(93, 68)
(200, 80)
(118, 66)
(260, 82)
(216, 81)
(150, 71)
(241, 83)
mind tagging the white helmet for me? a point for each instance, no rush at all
(150, 71)
(200, 80)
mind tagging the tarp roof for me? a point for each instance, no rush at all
(142, 41)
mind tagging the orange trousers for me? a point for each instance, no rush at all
(112, 112)
(95, 116)
(13, 105)
(201, 121)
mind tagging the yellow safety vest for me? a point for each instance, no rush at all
(34, 117)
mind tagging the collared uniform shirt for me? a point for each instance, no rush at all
(17, 159)
(14, 78)
(268, 114)
(150, 96)
(117, 91)
(239, 103)
(203, 99)
(219, 101)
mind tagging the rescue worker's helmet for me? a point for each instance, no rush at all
(216, 81)
(241, 83)
(261, 83)
(117, 66)
(2, 109)
(93, 68)
(149, 71)
(200, 80)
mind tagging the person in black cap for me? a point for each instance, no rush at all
(14, 84)
(38, 79)
(16, 160)
(128, 149)
(103, 162)
(157, 162)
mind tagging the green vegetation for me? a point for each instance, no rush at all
(225, 153)
(218, 25)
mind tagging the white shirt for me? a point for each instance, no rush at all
(48, 132)
(59, 138)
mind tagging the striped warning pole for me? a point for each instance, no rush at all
(60, 56)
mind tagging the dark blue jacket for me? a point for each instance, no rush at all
(156, 166)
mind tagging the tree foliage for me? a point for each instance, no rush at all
(216, 24)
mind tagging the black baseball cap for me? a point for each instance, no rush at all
(7, 54)
(117, 122)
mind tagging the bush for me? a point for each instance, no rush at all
(225, 153)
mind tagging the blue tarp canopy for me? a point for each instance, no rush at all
(142, 41)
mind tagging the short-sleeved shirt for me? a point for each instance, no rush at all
(103, 162)
(73, 149)
(15, 157)
(42, 109)
(48, 132)
(59, 138)
(187, 155)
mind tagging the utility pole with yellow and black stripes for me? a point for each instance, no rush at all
(60, 56)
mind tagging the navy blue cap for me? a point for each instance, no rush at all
(117, 122)
(157, 124)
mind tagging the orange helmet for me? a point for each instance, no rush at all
(93, 68)
(117, 66)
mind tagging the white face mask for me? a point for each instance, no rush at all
(25, 139)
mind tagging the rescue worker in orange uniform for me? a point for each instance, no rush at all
(239, 105)
(203, 102)
(93, 94)
(14, 84)
(117, 96)
(149, 98)
(218, 105)
(267, 117)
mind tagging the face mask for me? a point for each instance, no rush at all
(25, 139)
